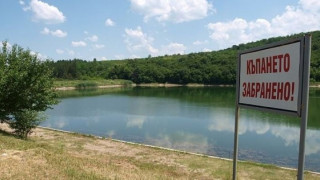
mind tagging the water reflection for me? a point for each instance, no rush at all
(313, 142)
(181, 140)
(192, 119)
(59, 123)
(222, 120)
(110, 133)
(136, 121)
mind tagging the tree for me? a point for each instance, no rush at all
(26, 88)
(170, 68)
(25, 121)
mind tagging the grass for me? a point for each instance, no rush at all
(55, 155)
(90, 83)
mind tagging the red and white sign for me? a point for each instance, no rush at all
(270, 77)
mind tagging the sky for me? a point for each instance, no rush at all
(119, 29)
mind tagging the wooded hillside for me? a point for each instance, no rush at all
(216, 67)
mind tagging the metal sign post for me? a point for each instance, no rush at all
(236, 127)
(275, 78)
(304, 106)
(235, 147)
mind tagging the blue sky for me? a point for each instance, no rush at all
(118, 29)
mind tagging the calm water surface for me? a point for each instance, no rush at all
(193, 119)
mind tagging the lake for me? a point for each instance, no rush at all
(194, 119)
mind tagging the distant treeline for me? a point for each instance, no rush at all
(216, 67)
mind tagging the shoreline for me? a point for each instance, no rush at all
(315, 86)
(98, 87)
(69, 155)
(175, 150)
(166, 85)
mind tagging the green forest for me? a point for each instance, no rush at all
(216, 67)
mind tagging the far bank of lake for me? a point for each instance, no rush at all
(63, 85)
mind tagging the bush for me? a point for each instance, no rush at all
(26, 88)
(23, 122)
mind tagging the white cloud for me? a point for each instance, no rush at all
(99, 46)
(44, 12)
(109, 22)
(59, 33)
(33, 53)
(134, 56)
(119, 56)
(174, 48)
(27, 8)
(45, 31)
(59, 51)
(296, 20)
(56, 33)
(302, 18)
(206, 50)
(136, 40)
(78, 44)
(39, 55)
(71, 52)
(21, 2)
(139, 42)
(172, 10)
(103, 58)
(198, 43)
(93, 38)
(229, 33)
(311, 5)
